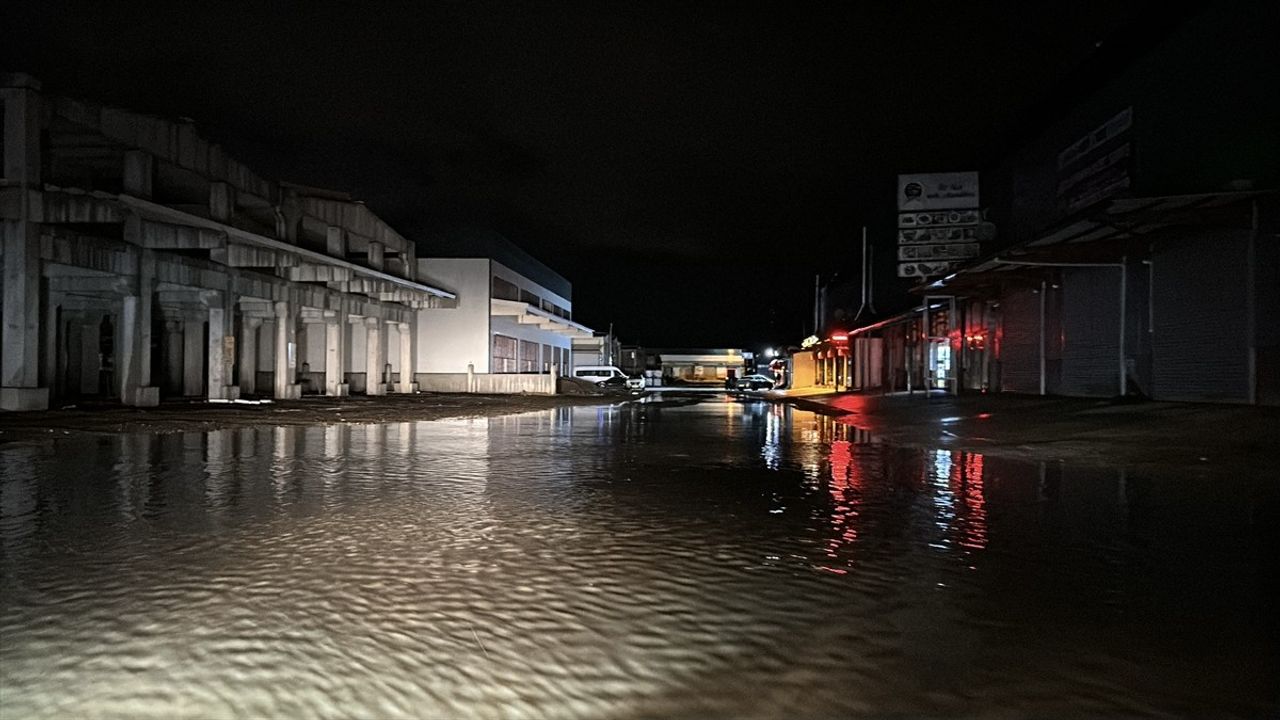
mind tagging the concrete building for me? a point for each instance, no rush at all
(140, 261)
(699, 366)
(599, 349)
(504, 333)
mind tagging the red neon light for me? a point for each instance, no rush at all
(840, 337)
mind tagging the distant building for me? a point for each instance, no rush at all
(503, 323)
(702, 366)
(600, 349)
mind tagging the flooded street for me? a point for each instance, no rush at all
(717, 559)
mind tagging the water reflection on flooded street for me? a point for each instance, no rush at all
(716, 559)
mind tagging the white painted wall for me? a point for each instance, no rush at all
(509, 327)
(450, 338)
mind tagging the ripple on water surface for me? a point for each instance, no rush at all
(723, 559)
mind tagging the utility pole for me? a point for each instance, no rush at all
(817, 293)
(868, 303)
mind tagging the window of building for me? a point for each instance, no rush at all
(528, 356)
(505, 289)
(505, 354)
(547, 359)
(531, 298)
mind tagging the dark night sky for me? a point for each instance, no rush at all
(688, 167)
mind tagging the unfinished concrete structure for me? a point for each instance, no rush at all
(140, 261)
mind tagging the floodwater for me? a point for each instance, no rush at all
(719, 559)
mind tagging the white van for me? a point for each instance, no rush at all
(600, 373)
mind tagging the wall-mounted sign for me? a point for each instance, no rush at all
(938, 220)
(938, 217)
(947, 234)
(1097, 166)
(937, 191)
(925, 269)
(955, 251)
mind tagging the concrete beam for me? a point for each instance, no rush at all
(94, 285)
(239, 255)
(166, 236)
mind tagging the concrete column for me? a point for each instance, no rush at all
(373, 357)
(406, 384)
(54, 346)
(90, 365)
(335, 382)
(216, 381)
(222, 201)
(377, 254)
(335, 242)
(20, 337)
(20, 340)
(248, 350)
(286, 365)
(172, 350)
(193, 342)
(134, 365)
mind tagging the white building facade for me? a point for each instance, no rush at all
(501, 324)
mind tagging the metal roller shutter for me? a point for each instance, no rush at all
(1200, 345)
(1020, 342)
(1090, 332)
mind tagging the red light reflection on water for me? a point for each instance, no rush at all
(845, 487)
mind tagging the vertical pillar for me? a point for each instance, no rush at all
(193, 342)
(377, 253)
(406, 384)
(335, 242)
(20, 342)
(217, 366)
(334, 353)
(373, 356)
(173, 356)
(90, 365)
(53, 344)
(134, 366)
(20, 333)
(286, 365)
(248, 350)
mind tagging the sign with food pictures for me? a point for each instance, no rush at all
(925, 269)
(955, 251)
(937, 191)
(934, 235)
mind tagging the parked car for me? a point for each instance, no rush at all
(601, 373)
(755, 382)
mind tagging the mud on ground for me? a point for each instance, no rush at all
(180, 416)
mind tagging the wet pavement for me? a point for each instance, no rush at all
(716, 558)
